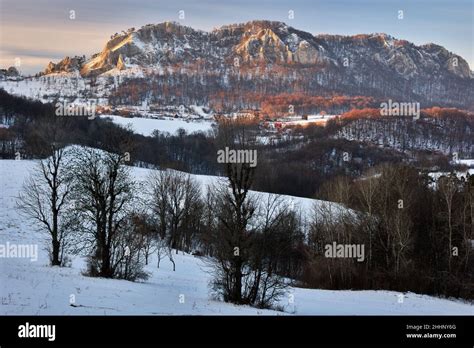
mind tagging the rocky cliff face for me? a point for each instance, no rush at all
(373, 64)
(11, 72)
(66, 65)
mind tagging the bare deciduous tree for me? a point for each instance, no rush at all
(176, 200)
(44, 199)
(103, 193)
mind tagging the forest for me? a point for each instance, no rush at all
(416, 232)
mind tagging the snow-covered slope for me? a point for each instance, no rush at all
(28, 287)
(146, 126)
(446, 135)
(162, 60)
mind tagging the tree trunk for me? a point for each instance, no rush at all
(172, 261)
(238, 282)
(55, 259)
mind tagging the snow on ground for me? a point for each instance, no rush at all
(70, 86)
(311, 119)
(466, 162)
(200, 110)
(146, 126)
(61, 86)
(461, 175)
(33, 288)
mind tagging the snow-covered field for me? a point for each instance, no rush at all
(311, 119)
(146, 126)
(466, 162)
(460, 175)
(55, 86)
(32, 287)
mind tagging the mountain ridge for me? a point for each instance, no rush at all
(287, 60)
(267, 28)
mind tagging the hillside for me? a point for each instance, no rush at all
(171, 64)
(37, 289)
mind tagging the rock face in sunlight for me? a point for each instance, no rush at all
(66, 65)
(368, 64)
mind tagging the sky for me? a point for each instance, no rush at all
(35, 32)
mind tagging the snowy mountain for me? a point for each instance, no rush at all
(173, 64)
(285, 60)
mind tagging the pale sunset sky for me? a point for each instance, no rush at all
(39, 31)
